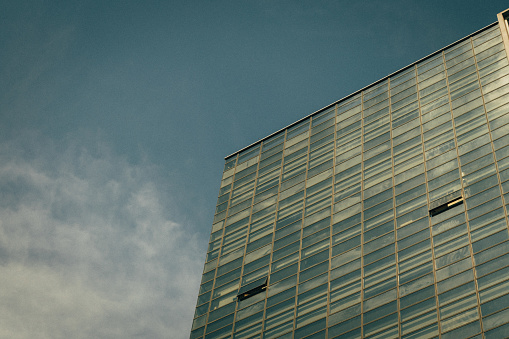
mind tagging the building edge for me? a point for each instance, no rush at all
(506, 43)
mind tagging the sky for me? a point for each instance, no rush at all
(116, 116)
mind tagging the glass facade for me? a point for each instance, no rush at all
(383, 215)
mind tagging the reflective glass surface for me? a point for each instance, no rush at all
(325, 228)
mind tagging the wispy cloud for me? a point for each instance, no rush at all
(89, 247)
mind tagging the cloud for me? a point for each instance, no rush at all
(89, 246)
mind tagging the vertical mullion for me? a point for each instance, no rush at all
(432, 246)
(362, 215)
(274, 232)
(301, 230)
(398, 306)
(330, 224)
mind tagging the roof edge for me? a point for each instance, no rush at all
(364, 88)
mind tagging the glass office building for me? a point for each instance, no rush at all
(382, 215)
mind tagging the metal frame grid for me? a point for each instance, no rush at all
(288, 205)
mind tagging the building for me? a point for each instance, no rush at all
(382, 215)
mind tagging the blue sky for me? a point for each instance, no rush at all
(115, 117)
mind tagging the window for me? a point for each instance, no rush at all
(248, 291)
(444, 207)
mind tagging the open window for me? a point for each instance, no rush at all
(252, 289)
(446, 206)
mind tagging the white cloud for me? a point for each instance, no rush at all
(89, 246)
